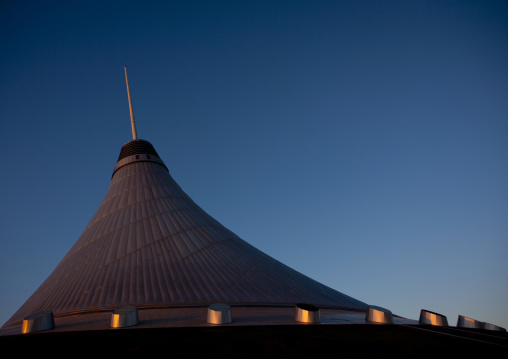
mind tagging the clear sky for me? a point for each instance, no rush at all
(363, 143)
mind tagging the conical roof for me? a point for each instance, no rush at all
(149, 244)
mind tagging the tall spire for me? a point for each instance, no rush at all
(133, 124)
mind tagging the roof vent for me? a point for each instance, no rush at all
(428, 317)
(38, 322)
(219, 313)
(124, 317)
(307, 313)
(137, 147)
(465, 322)
(378, 315)
(489, 326)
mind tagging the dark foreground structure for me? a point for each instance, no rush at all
(152, 273)
(284, 341)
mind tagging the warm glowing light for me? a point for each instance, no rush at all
(219, 313)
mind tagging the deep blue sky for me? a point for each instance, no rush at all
(363, 143)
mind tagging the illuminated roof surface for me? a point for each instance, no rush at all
(149, 245)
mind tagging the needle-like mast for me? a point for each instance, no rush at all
(133, 123)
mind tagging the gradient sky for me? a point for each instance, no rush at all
(362, 143)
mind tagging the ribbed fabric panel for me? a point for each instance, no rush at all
(150, 244)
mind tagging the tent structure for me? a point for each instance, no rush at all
(150, 245)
